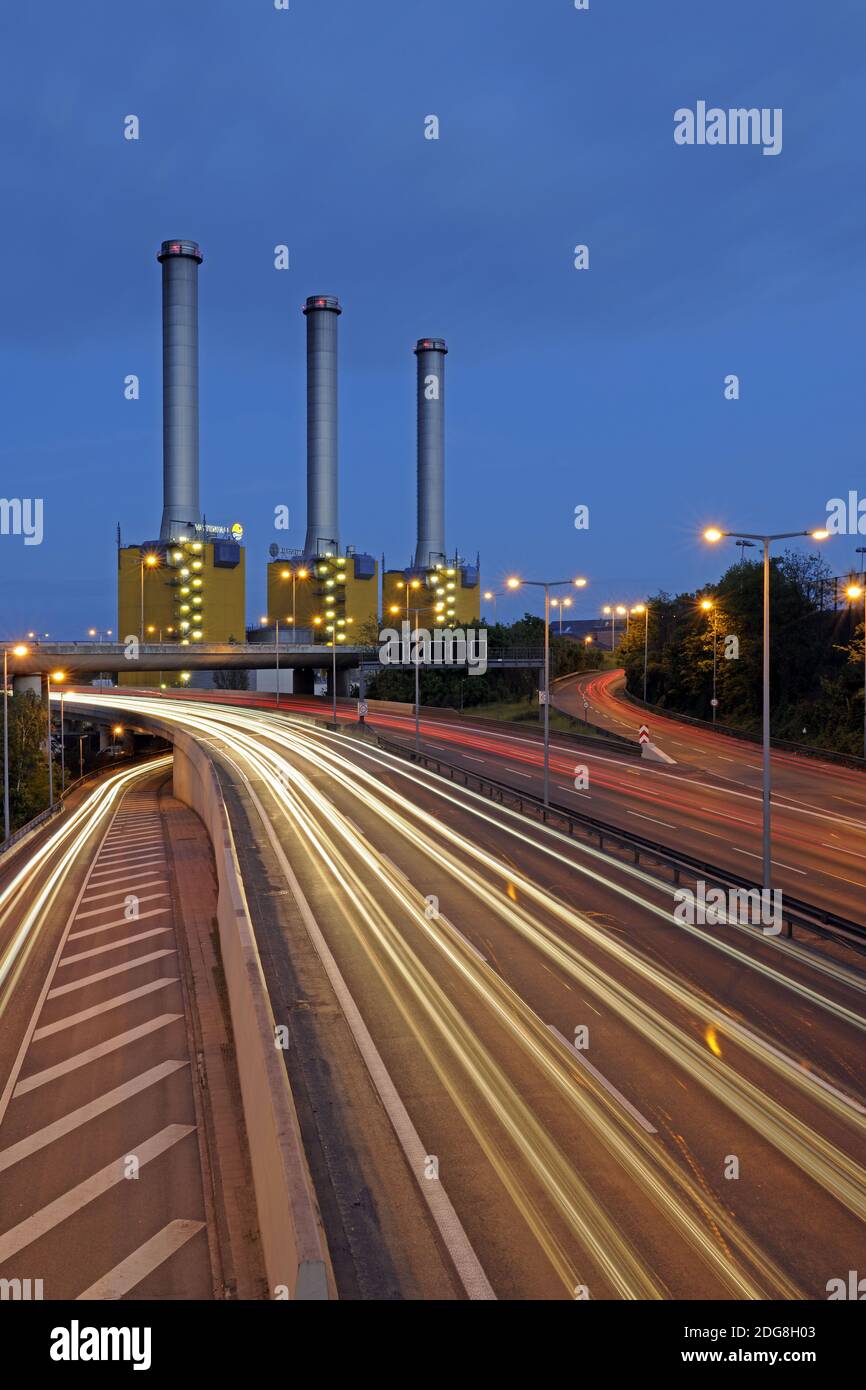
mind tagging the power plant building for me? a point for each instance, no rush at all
(188, 585)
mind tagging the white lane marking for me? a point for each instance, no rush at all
(110, 907)
(470, 759)
(844, 852)
(40, 1138)
(125, 877)
(78, 1197)
(665, 823)
(572, 791)
(125, 834)
(518, 774)
(92, 1054)
(118, 922)
(603, 1081)
(113, 892)
(142, 1262)
(464, 1258)
(149, 866)
(103, 876)
(777, 862)
(113, 946)
(735, 1028)
(70, 1020)
(723, 815)
(118, 841)
(106, 974)
(133, 856)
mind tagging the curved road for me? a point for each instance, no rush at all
(716, 1094)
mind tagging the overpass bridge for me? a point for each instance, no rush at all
(96, 658)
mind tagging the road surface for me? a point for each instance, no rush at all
(716, 1092)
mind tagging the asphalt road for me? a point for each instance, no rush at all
(716, 1094)
(708, 805)
(100, 1180)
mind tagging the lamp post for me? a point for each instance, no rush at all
(147, 562)
(20, 650)
(637, 610)
(491, 597)
(58, 677)
(417, 686)
(713, 535)
(294, 575)
(411, 584)
(50, 761)
(547, 585)
(855, 591)
(560, 604)
(264, 622)
(709, 608)
(619, 611)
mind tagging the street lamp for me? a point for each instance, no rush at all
(709, 608)
(855, 591)
(294, 575)
(19, 650)
(148, 562)
(565, 603)
(613, 612)
(547, 585)
(411, 584)
(58, 677)
(637, 610)
(713, 535)
(264, 621)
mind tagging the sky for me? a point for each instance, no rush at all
(305, 127)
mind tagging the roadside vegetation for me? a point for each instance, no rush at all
(816, 654)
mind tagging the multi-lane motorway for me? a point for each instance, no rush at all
(436, 957)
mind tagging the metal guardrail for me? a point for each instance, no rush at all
(59, 806)
(806, 750)
(795, 912)
(48, 814)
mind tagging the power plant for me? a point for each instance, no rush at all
(188, 585)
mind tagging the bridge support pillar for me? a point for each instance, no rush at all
(342, 681)
(34, 684)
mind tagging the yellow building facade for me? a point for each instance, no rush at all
(183, 592)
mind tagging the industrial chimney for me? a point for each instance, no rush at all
(180, 261)
(430, 353)
(323, 532)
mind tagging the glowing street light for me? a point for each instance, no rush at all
(854, 592)
(544, 695)
(149, 562)
(19, 650)
(713, 535)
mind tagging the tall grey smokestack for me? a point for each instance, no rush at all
(430, 353)
(180, 261)
(323, 529)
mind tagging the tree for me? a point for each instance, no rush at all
(28, 766)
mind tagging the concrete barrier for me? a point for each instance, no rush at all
(293, 1240)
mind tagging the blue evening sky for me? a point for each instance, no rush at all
(305, 127)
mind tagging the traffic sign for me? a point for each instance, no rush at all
(644, 734)
(542, 697)
(714, 702)
(362, 708)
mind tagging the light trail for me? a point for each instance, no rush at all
(26, 911)
(466, 1067)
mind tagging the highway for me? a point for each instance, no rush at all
(708, 805)
(717, 1092)
(102, 1192)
